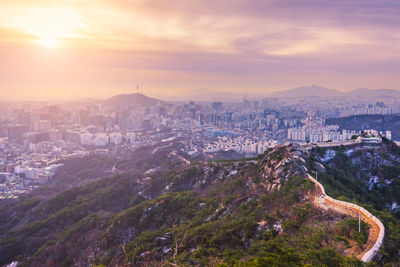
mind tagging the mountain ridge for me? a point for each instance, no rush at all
(250, 212)
(221, 212)
(303, 91)
(138, 99)
(319, 91)
(134, 99)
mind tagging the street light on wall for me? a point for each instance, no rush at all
(316, 175)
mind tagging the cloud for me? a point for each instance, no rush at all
(221, 42)
(7, 35)
(281, 28)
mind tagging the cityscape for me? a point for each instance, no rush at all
(228, 133)
(37, 137)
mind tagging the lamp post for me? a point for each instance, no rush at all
(316, 175)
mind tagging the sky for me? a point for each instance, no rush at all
(99, 48)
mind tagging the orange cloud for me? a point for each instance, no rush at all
(231, 44)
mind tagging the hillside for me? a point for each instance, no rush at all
(363, 122)
(164, 209)
(370, 176)
(132, 100)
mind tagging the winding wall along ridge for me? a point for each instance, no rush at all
(377, 230)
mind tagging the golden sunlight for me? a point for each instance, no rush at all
(46, 41)
(49, 25)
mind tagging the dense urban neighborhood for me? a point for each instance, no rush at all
(36, 136)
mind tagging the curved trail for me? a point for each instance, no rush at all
(376, 232)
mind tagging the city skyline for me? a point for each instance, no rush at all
(192, 133)
(72, 49)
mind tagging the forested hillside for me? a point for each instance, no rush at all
(365, 122)
(163, 209)
(368, 176)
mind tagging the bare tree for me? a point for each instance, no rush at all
(179, 239)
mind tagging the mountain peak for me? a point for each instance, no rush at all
(134, 99)
(313, 90)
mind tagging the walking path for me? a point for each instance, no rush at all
(376, 232)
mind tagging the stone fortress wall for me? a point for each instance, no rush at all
(377, 230)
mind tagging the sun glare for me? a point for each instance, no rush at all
(46, 42)
(49, 25)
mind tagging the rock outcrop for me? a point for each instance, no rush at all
(282, 163)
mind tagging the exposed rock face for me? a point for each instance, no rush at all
(282, 163)
(318, 166)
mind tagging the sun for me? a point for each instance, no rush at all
(49, 25)
(47, 42)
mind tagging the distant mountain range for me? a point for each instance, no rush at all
(318, 91)
(206, 94)
(136, 99)
(376, 92)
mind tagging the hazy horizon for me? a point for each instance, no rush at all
(75, 49)
(208, 94)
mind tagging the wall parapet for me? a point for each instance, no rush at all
(366, 216)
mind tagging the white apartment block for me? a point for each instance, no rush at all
(115, 138)
(86, 139)
(319, 134)
(101, 139)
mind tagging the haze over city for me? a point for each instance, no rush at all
(77, 49)
(218, 133)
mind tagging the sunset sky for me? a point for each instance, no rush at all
(99, 48)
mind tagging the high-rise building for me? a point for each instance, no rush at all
(217, 106)
(17, 132)
(55, 135)
(84, 117)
